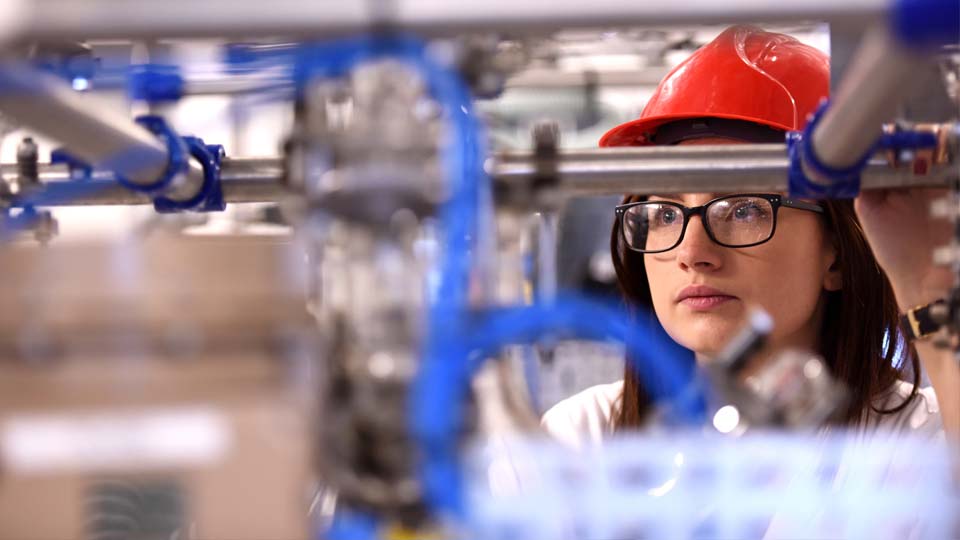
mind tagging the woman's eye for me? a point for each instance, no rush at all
(666, 216)
(748, 211)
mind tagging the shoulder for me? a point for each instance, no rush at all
(586, 417)
(921, 417)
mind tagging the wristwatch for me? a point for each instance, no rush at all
(920, 322)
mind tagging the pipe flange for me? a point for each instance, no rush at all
(210, 196)
(810, 178)
(177, 162)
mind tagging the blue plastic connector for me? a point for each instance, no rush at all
(833, 183)
(71, 68)
(210, 196)
(155, 83)
(905, 139)
(176, 163)
(79, 169)
(837, 183)
(925, 24)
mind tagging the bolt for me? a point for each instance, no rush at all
(27, 170)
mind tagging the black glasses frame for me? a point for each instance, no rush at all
(776, 201)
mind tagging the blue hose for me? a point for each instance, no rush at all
(664, 368)
(351, 526)
(925, 25)
(469, 190)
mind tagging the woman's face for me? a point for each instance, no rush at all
(702, 291)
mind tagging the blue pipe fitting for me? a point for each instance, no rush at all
(77, 69)
(19, 221)
(177, 161)
(833, 183)
(839, 183)
(210, 196)
(181, 149)
(455, 354)
(155, 83)
(906, 139)
(79, 169)
(925, 25)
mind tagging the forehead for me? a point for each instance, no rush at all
(688, 199)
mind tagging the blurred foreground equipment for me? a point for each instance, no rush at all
(154, 390)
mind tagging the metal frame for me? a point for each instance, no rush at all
(106, 19)
(600, 171)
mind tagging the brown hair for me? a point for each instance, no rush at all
(858, 337)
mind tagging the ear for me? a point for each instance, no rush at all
(832, 277)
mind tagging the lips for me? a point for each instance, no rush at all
(702, 297)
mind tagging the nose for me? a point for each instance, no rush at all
(697, 251)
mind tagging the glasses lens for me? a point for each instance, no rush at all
(652, 226)
(741, 221)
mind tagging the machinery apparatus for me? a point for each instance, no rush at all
(355, 380)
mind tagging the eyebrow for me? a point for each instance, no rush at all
(671, 196)
(678, 196)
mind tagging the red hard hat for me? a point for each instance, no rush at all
(744, 74)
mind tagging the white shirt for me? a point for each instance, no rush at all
(587, 417)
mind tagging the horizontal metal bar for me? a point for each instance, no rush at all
(689, 169)
(243, 180)
(600, 171)
(107, 19)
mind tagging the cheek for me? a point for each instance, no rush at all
(793, 299)
(788, 283)
(661, 275)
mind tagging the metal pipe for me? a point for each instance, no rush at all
(90, 128)
(874, 85)
(100, 19)
(595, 171)
(689, 169)
(243, 180)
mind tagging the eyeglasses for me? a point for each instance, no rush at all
(742, 220)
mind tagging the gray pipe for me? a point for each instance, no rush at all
(243, 180)
(92, 19)
(689, 169)
(90, 128)
(600, 171)
(873, 86)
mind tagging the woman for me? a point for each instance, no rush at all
(700, 261)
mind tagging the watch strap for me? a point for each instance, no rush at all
(918, 322)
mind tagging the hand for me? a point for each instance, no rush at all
(903, 235)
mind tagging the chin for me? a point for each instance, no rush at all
(705, 337)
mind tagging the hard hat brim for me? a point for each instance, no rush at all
(640, 132)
